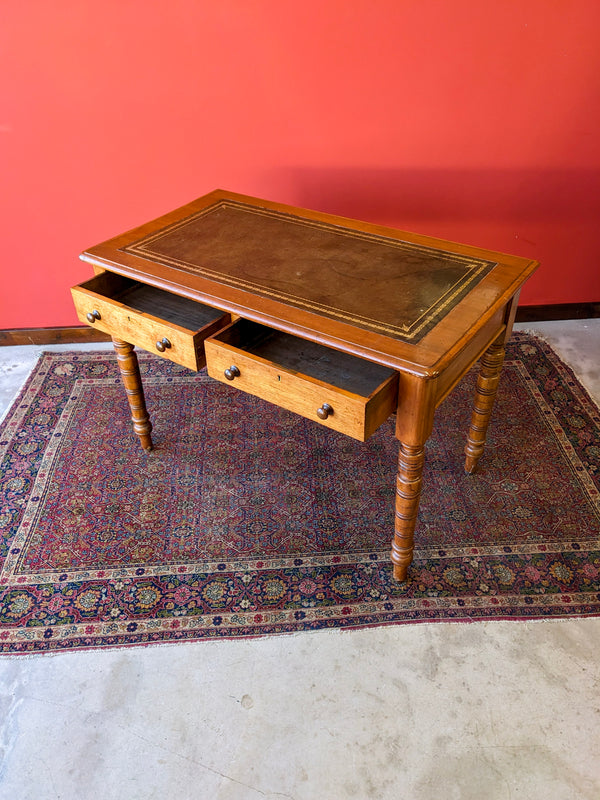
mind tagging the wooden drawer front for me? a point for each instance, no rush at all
(145, 316)
(304, 377)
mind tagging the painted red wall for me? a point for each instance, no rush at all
(471, 120)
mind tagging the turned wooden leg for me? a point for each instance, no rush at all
(130, 373)
(408, 493)
(485, 394)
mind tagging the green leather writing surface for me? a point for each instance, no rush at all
(373, 282)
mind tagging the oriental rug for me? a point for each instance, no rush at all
(247, 520)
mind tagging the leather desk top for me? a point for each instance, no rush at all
(391, 296)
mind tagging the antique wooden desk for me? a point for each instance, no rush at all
(343, 322)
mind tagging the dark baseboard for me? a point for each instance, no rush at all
(74, 335)
(82, 334)
(559, 311)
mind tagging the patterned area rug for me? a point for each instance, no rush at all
(248, 520)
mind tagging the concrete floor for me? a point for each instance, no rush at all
(484, 711)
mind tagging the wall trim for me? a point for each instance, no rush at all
(558, 311)
(81, 334)
(74, 335)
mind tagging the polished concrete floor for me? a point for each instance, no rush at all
(480, 711)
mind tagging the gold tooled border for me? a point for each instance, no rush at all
(412, 332)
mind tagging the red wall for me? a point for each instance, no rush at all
(472, 120)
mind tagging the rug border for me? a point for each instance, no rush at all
(46, 359)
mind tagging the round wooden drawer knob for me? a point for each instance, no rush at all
(324, 411)
(92, 316)
(163, 345)
(232, 372)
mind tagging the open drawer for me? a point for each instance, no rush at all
(153, 319)
(341, 391)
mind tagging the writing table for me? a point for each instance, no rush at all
(341, 321)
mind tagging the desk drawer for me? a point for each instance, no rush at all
(338, 390)
(153, 319)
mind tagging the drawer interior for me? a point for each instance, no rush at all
(158, 303)
(315, 360)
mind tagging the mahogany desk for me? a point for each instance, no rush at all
(341, 321)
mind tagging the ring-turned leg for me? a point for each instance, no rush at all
(130, 373)
(485, 394)
(408, 493)
(414, 422)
